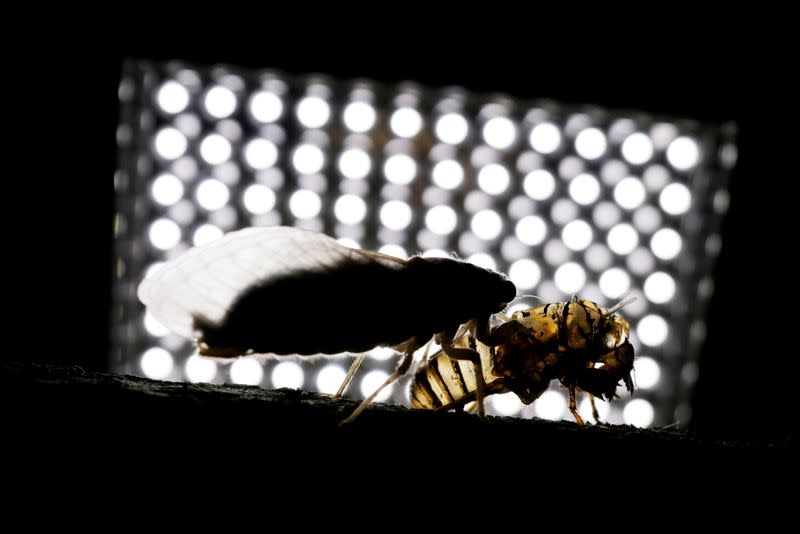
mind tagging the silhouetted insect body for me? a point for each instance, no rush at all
(283, 290)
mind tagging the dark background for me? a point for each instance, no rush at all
(746, 372)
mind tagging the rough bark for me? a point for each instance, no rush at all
(233, 417)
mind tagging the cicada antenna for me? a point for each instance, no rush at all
(619, 305)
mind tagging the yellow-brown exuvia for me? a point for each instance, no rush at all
(578, 342)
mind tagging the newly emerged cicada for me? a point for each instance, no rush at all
(287, 291)
(579, 343)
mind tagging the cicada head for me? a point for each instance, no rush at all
(616, 329)
(587, 325)
(613, 366)
(616, 332)
(445, 279)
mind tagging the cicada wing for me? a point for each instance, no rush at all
(205, 281)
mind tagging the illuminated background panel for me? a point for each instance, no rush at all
(566, 200)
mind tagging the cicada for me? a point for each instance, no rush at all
(288, 291)
(583, 345)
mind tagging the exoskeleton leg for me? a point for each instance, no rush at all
(350, 374)
(470, 355)
(425, 354)
(474, 357)
(480, 330)
(595, 415)
(573, 406)
(402, 369)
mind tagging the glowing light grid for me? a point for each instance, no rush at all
(565, 200)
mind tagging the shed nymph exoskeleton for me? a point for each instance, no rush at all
(578, 342)
(287, 291)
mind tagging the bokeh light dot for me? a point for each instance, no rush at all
(545, 138)
(199, 369)
(487, 224)
(550, 405)
(539, 184)
(359, 117)
(525, 273)
(172, 97)
(305, 204)
(206, 233)
(591, 143)
(220, 102)
(212, 194)
(494, 179)
(170, 143)
(577, 234)
(372, 381)
(395, 215)
(451, 128)
(330, 378)
(531, 230)
(350, 209)
(164, 234)
(266, 106)
(167, 189)
(652, 330)
(406, 122)
(259, 199)
(647, 372)
(637, 148)
(638, 412)
(499, 132)
(570, 278)
(313, 112)
(659, 287)
(246, 371)
(683, 153)
(629, 193)
(260, 154)
(675, 199)
(287, 375)
(622, 239)
(584, 189)
(441, 219)
(448, 174)
(614, 282)
(156, 363)
(400, 169)
(666, 243)
(355, 164)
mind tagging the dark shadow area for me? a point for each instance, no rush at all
(73, 406)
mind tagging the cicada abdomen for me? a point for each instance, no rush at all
(442, 383)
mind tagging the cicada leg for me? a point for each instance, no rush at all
(425, 354)
(595, 415)
(573, 407)
(350, 374)
(480, 330)
(474, 357)
(402, 369)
